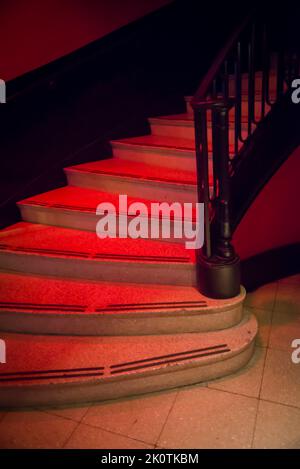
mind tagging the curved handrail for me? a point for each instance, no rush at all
(214, 69)
(228, 109)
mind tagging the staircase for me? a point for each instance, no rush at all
(88, 319)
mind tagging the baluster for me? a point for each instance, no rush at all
(238, 99)
(214, 140)
(280, 73)
(201, 145)
(251, 80)
(265, 71)
(225, 84)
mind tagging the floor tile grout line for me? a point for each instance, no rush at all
(167, 417)
(79, 422)
(275, 296)
(263, 370)
(255, 423)
(97, 427)
(231, 392)
(71, 434)
(291, 406)
(49, 412)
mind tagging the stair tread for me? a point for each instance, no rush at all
(136, 170)
(80, 199)
(53, 296)
(158, 141)
(62, 359)
(183, 118)
(77, 198)
(187, 120)
(64, 242)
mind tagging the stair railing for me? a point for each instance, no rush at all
(244, 73)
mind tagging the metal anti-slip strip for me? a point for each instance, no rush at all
(171, 360)
(35, 202)
(129, 175)
(150, 306)
(43, 377)
(74, 207)
(171, 355)
(195, 302)
(142, 257)
(43, 251)
(37, 306)
(66, 206)
(46, 374)
(146, 308)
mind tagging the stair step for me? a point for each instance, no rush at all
(54, 251)
(158, 150)
(134, 178)
(56, 370)
(181, 126)
(75, 207)
(257, 108)
(36, 305)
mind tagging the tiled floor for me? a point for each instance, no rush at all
(258, 407)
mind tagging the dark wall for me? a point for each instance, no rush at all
(39, 32)
(274, 213)
(67, 111)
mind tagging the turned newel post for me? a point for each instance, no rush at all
(218, 266)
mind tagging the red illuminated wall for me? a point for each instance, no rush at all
(273, 220)
(35, 32)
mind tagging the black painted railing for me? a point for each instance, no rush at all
(251, 73)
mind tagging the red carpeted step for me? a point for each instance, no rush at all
(51, 250)
(75, 207)
(63, 306)
(135, 179)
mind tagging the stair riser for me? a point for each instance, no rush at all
(129, 272)
(257, 110)
(153, 323)
(101, 390)
(150, 190)
(165, 159)
(181, 131)
(258, 85)
(76, 220)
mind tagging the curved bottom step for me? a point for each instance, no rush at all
(46, 370)
(37, 305)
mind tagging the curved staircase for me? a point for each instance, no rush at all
(86, 319)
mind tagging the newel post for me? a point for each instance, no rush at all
(218, 268)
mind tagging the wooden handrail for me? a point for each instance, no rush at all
(206, 82)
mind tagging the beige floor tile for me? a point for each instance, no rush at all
(246, 381)
(139, 418)
(207, 418)
(34, 429)
(288, 298)
(277, 426)
(263, 297)
(285, 328)
(74, 412)
(281, 380)
(86, 437)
